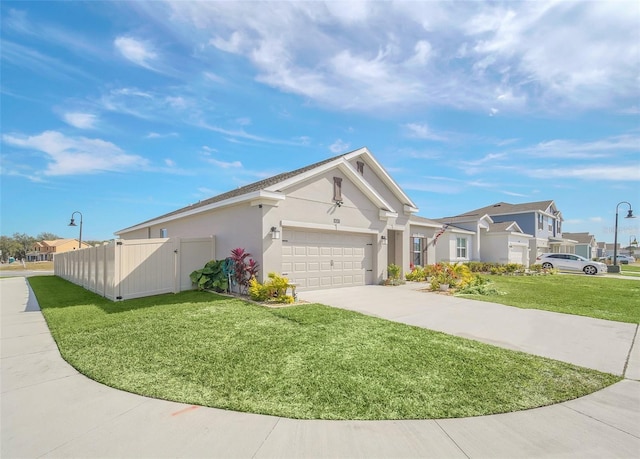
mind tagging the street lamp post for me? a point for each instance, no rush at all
(615, 268)
(73, 223)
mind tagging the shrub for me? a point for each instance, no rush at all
(274, 290)
(513, 268)
(457, 275)
(243, 268)
(211, 277)
(417, 274)
(393, 272)
(478, 286)
(477, 266)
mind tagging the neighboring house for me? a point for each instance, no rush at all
(45, 250)
(601, 250)
(433, 241)
(542, 220)
(586, 244)
(338, 222)
(486, 240)
(606, 250)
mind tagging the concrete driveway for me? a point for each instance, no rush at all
(48, 409)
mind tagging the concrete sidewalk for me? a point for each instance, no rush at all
(48, 409)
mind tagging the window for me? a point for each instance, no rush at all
(461, 247)
(337, 189)
(360, 165)
(163, 232)
(540, 221)
(416, 258)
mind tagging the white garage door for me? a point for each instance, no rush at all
(516, 255)
(316, 260)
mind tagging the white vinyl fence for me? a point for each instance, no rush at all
(125, 269)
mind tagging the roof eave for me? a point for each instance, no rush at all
(254, 198)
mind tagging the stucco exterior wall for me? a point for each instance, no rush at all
(446, 247)
(235, 226)
(505, 248)
(311, 204)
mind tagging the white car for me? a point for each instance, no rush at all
(622, 259)
(570, 262)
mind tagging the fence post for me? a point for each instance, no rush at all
(177, 259)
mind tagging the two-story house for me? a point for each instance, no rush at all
(45, 250)
(541, 219)
(586, 244)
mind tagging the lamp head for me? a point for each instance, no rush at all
(630, 214)
(72, 223)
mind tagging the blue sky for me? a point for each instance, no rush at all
(128, 110)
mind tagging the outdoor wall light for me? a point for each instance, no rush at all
(73, 223)
(275, 233)
(383, 240)
(615, 268)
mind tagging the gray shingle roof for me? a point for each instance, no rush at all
(501, 208)
(582, 238)
(500, 226)
(256, 186)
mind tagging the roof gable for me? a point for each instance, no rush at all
(272, 188)
(502, 227)
(581, 238)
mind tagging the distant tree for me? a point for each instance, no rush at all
(9, 247)
(25, 244)
(93, 243)
(47, 237)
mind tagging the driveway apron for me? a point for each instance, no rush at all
(48, 409)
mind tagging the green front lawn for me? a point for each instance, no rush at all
(306, 361)
(592, 296)
(632, 270)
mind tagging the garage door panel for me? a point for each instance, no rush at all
(326, 259)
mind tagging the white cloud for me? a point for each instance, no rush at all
(177, 102)
(156, 135)
(603, 148)
(484, 56)
(339, 146)
(423, 131)
(225, 164)
(232, 45)
(170, 162)
(137, 51)
(595, 173)
(76, 155)
(80, 120)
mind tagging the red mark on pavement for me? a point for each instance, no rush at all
(189, 408)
